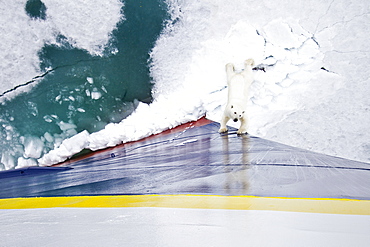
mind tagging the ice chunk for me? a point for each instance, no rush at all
(95, 95)
(287, 82)
(67, 148)
(48, 137)
(281, 34)
(32, 107)
(8, 160)
(90, 80)
(33, 147)
(48, 119)
(69, 129)
(23, 162)
(66, 126)
(270, 60)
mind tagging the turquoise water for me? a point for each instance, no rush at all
(78, 91)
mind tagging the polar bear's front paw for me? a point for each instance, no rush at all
(222, 130)
(241, 131)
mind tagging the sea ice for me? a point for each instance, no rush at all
(33, 147)
(8, 160)
(313, 95)
(289, 101)
(90, 80)
(25, 162)
(66, 149)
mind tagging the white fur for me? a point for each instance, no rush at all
(238, 85)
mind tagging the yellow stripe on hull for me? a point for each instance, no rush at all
(309, 205)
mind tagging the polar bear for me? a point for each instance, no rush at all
(238, 86)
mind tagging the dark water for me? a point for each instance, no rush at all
(83, 90)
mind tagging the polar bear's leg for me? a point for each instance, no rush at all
(230, 71)
(223, 127)
(249, 62)
(243, 126)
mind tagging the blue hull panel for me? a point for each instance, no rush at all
(195, 159)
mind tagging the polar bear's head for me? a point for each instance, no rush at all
(236, 112)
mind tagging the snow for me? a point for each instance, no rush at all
(66, 149)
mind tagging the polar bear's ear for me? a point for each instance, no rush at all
(232, 107)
